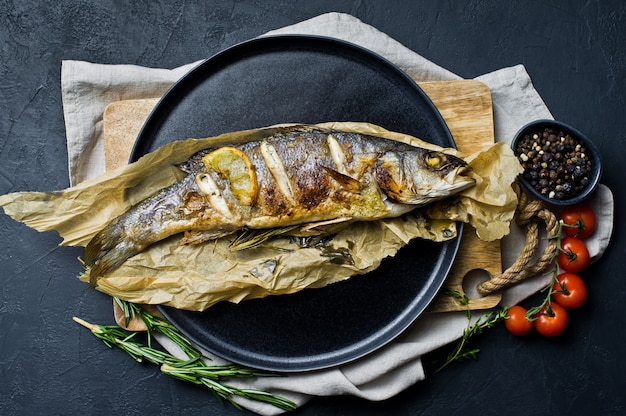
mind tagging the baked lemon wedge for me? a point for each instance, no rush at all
(234, 166)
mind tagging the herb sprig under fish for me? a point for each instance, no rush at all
(297, 175)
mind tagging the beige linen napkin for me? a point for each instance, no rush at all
(88, 88)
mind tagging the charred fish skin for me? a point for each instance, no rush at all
(296, 175)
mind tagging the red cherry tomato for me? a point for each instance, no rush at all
(573, 256)
(580, 220)
(569, 291)
(551, 321)
(516, 321)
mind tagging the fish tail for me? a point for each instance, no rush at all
(96, 248)
(108, 250)
(158, 217)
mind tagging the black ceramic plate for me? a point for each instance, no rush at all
(307, 80)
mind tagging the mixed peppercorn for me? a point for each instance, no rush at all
(555, 164)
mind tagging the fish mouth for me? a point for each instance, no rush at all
(453, 182)
(459, 178)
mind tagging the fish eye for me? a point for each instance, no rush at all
(435, 160)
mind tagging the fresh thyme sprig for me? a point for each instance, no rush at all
(489, 319)
(248, 238)
(193, 369)
(462, 351)
(546, 306)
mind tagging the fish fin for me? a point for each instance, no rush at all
(197, 237)
(323, 227)
(346, 182)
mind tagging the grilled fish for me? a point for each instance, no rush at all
(296, 175)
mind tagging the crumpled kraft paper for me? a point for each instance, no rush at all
(488, 204)
(194, 277)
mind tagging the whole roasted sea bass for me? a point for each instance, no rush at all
(297, 175)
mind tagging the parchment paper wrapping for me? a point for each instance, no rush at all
(197, 276)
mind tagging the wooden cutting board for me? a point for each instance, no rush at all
(467, 109)
(465, 106)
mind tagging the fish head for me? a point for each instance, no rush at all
(421, 176)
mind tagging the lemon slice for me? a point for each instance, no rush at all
(234, 166)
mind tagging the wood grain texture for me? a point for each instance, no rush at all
(122, 121)
(466, 108)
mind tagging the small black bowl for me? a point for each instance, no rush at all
(583, 173)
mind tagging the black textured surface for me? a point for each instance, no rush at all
(574, 52)
(260, 83)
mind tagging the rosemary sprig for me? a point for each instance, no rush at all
(127, 310)
(209, 376)
(158, 324)
(193, 369)
(113, 336)
(462, 351)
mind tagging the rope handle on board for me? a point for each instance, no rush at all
(529, 214)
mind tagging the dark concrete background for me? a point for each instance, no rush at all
(575, 52)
